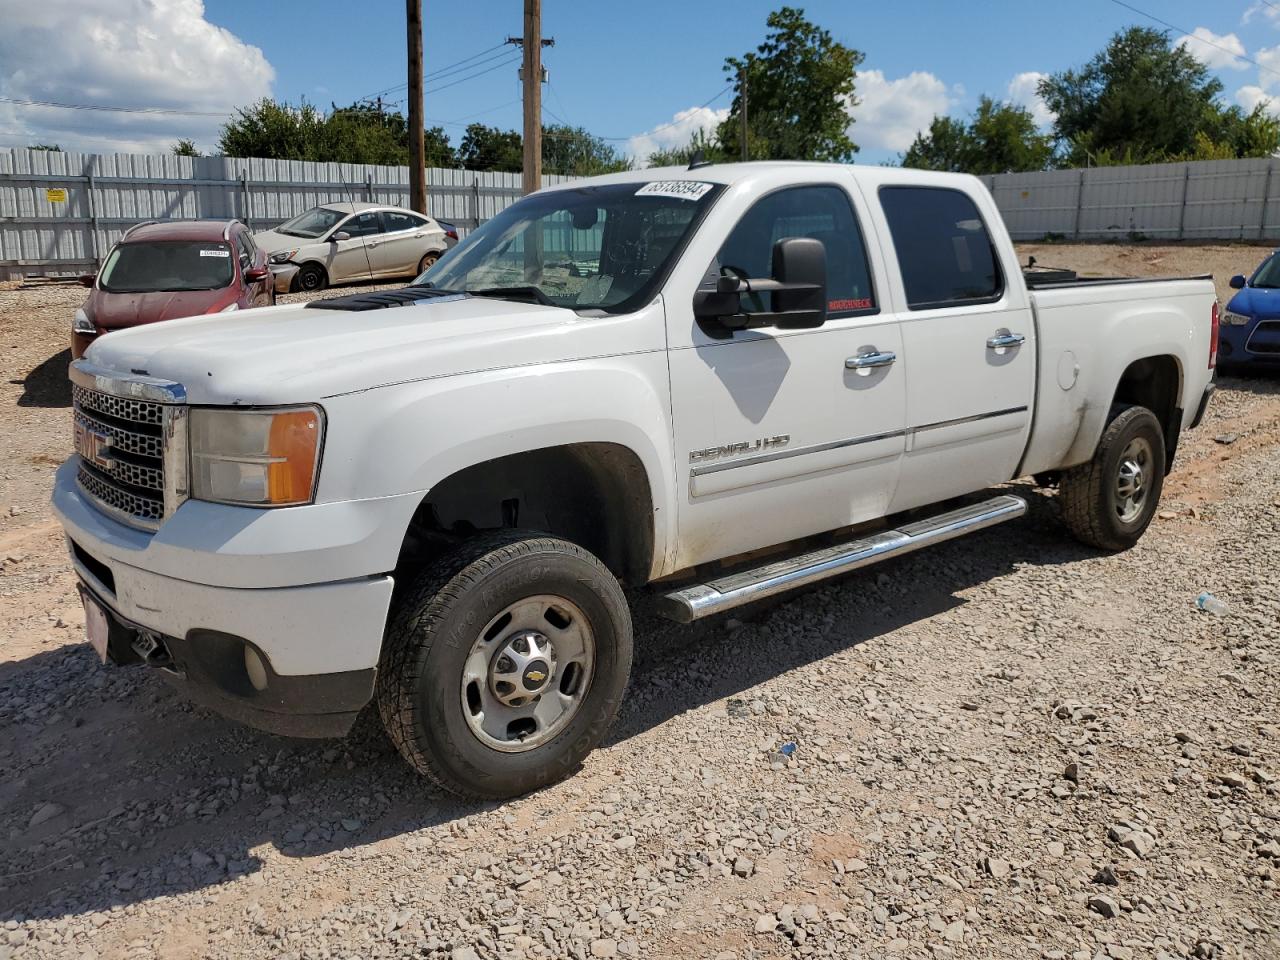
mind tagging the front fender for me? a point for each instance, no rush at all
(409, 437)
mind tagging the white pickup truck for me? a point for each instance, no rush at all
(716, 383)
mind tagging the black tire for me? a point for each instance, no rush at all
(438, 619)
(426, 263)
(1090, 494)
(312, 277)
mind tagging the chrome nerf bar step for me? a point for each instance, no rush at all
(700, 600)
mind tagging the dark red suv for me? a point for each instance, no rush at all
(162, 271)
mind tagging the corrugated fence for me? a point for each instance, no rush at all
(1203, 200)
(61, 212)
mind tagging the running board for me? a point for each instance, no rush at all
(703, 599)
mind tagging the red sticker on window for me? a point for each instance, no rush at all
(862, 304)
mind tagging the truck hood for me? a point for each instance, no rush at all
(296, 354)
(1258, 302)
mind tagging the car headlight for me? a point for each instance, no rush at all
(229, 308)
(1234, 319)
(284, 256)
(261, 458)
(82, 323)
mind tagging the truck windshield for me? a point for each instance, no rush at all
(172, 265)
(591, 248)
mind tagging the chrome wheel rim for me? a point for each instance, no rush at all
(1133, 479)
(528, 673)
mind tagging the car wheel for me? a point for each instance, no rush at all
(312, 277)
(427, 262)
(504, 665)
(1109, 501)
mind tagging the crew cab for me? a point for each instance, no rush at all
(714, 384)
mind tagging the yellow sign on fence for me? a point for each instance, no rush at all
(56, 194)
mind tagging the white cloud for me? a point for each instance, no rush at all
(889, 113)
(131, 53)
(1268, 12)
(1022, 91)
(675, 133)
(1216, 51)
(1267, 87)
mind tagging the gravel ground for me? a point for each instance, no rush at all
(1010, 746)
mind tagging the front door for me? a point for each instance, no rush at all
(784, 433)
(969, 340)
(348, 259)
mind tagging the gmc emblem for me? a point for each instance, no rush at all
(93, 446)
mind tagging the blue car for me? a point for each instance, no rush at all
(1250, 330)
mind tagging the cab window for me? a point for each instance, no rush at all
(821, 212)
(944, 250)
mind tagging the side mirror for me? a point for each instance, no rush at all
(798, 288)
(86, 279)
(340, 235)
(1238, 282)
(256, 275)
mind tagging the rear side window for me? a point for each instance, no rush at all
(944, 250)
(821, 212)
(363, 225)
(397, 221)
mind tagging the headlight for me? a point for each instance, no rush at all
(1235, 319)
(82, 323)
(263, 458)
(284, 256)
(229, 308)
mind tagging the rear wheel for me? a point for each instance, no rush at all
(312, 277)
(505, 663)
(1109, 501)
(427, 262)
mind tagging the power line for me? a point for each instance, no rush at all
(1166, 23)
(674, 123)
(437, 73)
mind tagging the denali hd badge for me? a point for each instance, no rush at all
(737, 449)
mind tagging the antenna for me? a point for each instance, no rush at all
(698, 159)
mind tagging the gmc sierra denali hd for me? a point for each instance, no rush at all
(718, 383)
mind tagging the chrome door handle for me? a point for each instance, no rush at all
(873, 358)
(1001, 340)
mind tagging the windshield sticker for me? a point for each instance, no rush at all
(679, 189)
(215, 253)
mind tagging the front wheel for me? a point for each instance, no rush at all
(312, 278)
(1109, 501)
(504, 665)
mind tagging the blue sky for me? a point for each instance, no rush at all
(638, 73)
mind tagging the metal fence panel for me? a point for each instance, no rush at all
(1200, 200)
(60, 212)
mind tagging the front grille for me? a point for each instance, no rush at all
(1265, 338)
(126, 478)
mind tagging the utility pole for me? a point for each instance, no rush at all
(742, 82)
(417, 167)
(532, 71)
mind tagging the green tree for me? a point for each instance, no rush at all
(274, 131)
(948, 146)
(53, 147)
(799, 86)
(488, 148)
(703, 142)
(998, 138)
(1143, 100)
(185, 148)
(572, 151)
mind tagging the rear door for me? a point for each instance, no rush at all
(968, 338)
(784, 433)
(398, 250)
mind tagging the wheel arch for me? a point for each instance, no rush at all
(1155, 382)
(595, 494)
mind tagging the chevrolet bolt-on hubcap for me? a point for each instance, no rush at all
(1133, 479)
(527, 673)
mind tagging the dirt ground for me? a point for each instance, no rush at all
(1010, 746)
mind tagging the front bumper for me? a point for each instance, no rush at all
(283, 275)
(316, 644)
